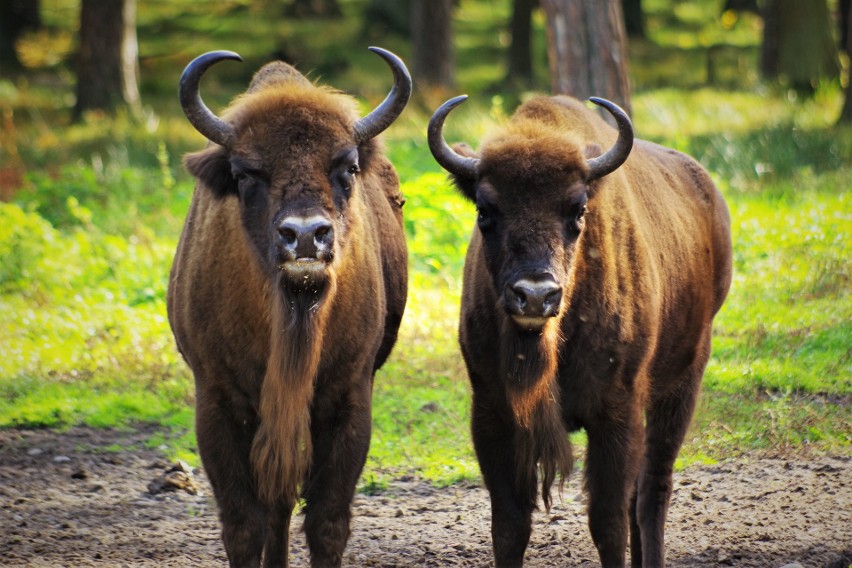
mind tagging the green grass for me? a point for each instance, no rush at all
(87, 238)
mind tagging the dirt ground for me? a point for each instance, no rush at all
(66, 501)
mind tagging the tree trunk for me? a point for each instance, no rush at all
(798, 48)
(846, 34)
(16, 18)
(587, 49)
(520, 50)
(108, 61)
(387, 16)
(634, 18)
(313, 9)
(431, 38)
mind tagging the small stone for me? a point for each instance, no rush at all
(179, 477)
(35, 452)
(61, 459)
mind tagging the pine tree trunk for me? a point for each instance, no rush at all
(313, 9)
(431, 38)
(108, 60)
(797, 43)
(634, 18)
(520, 51)
(16, 18)
(846, 34)
(587, 49)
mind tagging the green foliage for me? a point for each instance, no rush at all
(86, 243)
(437, 225)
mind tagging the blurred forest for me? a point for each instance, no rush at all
(93, 195)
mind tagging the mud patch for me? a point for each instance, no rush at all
(82, 498)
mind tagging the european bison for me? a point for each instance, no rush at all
(285, 297)
(590, 285)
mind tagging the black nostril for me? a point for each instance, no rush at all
(551, 302)
(288, 234)
(520, 298)
(323, 234)
(516, 299)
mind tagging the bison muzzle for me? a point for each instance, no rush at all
(285, 297)
(594, 277)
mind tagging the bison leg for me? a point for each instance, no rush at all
(340, 431)
(613, 456)
(276, 551)
(511, 505)
(224, 439)
(667, 422)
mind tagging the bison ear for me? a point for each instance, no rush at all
(592, 151)
(212, 168)
(465, 185)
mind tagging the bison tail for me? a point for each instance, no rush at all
(281, 449)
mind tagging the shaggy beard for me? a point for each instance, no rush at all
(281, 449)
(528, 366)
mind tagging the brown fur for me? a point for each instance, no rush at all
(283, 385)
(641, 281)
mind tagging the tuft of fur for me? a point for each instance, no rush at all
(528, 367)
(281, 449)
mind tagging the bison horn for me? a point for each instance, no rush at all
(458, 165)
(202, 118)
(390, 108)
(615, 156)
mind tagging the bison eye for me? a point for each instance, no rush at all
(484, 218)
(353, 169)
(576, 220)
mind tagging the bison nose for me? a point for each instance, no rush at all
(306, 237)
(533, 298)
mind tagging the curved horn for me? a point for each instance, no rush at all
(456, 164)
(615, 156)
(202, 118)
(390, 108)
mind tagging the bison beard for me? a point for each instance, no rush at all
(281, 449)
(528, 363)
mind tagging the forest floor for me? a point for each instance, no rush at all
(90, 497)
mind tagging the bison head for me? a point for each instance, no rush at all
(291, 153)
(531, 184)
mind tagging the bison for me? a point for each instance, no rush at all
(590, 284)
(285, 297)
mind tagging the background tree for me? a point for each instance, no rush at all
(382, 17)
(798, 47)
(845, 22)
(587, 49)
(16, 18)
(432, 43)
(108, 63)
(634, 18)
(520, 67)
(313, 8)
